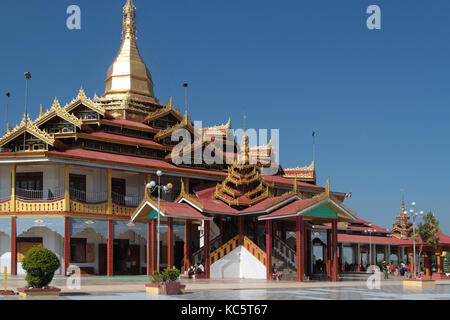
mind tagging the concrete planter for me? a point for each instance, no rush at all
(418, 283)
(37, 293)
(7, 293)
(167, 288)
(440, 276)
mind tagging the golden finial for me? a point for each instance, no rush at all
(170, 103)
(81, 93)
(8, 127)
(295, 185)
(327, 188)
(403, 203)
(56, 104)
(129, 20)
(41, 111)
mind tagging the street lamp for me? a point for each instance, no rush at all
(414, 215)
(27, 77)
(151, 186)
(370, 231)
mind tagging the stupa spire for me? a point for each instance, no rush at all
(128, 75)
(129, 20)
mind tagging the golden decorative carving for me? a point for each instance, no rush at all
(28, 126)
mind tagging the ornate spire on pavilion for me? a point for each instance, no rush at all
(244, 186)
(128, 75)
(402, 228)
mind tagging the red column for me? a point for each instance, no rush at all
(300, 247)
(207, 248)
(66, 246)
(328, 254)
(170, 243)
(241, 229)
(110, 250)
(335, 253)
(187, 245)
(269, 249)
(13, 247)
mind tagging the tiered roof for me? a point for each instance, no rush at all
(402, 228)
(244, 186)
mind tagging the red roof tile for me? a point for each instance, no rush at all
(122, 139)
(129, 160)
(129, 124)
(366, 239)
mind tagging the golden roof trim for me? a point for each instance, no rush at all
(30, 127)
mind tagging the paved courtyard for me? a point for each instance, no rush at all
(351, 287)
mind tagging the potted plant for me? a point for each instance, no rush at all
(40, 265)
(165, 283)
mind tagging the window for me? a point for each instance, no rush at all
(67, 129)
(78, 250)
(55, 130)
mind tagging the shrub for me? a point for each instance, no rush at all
(165, 276)
(171, 274)
(157, 278)
(40, 265)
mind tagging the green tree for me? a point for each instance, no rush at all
(428, 231)
(447, 262)
(40, 265)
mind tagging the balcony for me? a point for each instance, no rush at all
(39, 195)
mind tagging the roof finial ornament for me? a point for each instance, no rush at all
(129, 20)
(246, 156)
(403, 202)
(41, 111)
(327, 188)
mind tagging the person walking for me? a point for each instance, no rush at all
(385, 270)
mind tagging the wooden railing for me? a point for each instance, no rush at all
(224, 249)
(285, 252)
(256, 251)
(5, 206)
(40, 206)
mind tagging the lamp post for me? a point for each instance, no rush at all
(369, 231)
(27, 77)
(166, 188)
(414, 215)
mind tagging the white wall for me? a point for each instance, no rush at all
(5, 252)
(239, 263)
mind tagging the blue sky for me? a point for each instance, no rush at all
(377, 99)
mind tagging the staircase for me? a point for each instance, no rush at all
(285, 259)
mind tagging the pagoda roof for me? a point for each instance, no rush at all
(57, 111)
(110, 137)
(352, 238)
(129, 124)
(167, 209)
(168, 109)
(135, 162)
(28, 126)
